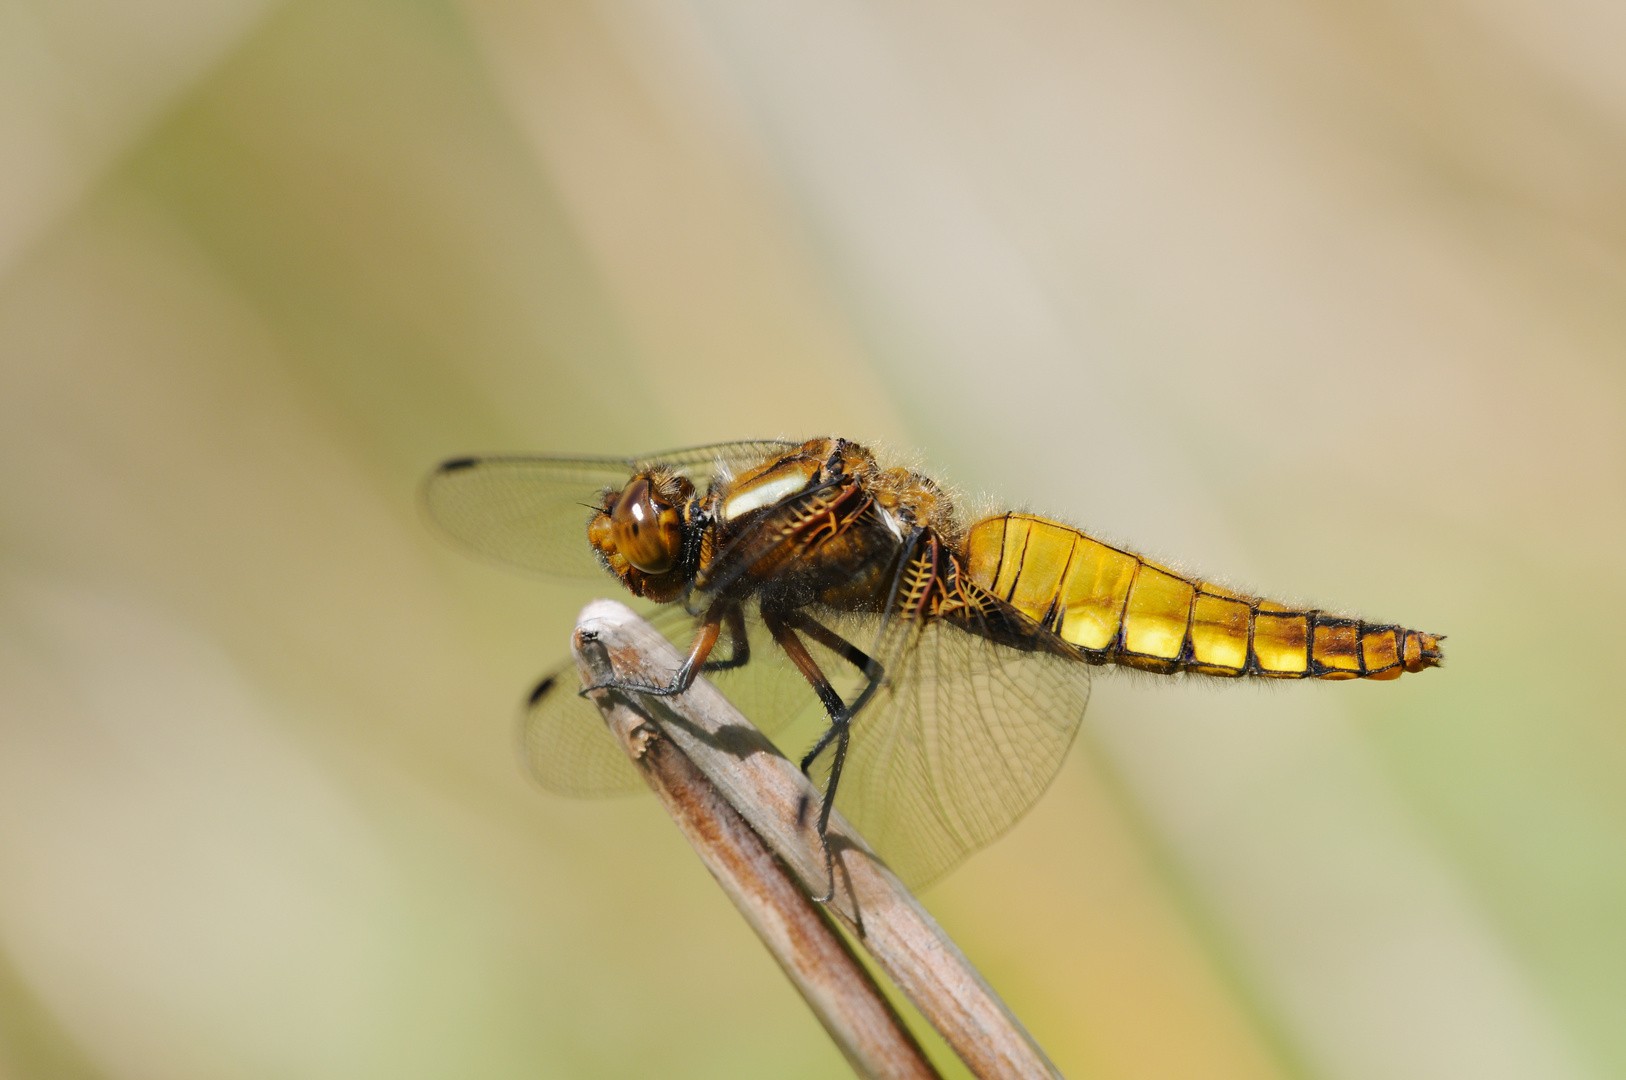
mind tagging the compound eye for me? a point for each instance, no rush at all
(646, 531)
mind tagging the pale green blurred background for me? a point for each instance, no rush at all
(1326, 299)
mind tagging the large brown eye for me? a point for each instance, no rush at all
(646, 531)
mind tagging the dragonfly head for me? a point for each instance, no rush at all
(640, 533)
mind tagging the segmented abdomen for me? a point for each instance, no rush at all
(1115, 607)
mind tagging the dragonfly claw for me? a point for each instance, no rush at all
(627, 686)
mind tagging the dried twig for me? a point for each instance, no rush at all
(748, 774)
(811, 951)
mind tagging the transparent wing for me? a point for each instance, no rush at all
(570, 751)
(566, 745)
(962, 738)
(532, 512)
(526, 512)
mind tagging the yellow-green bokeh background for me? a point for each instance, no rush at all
(1326, 299)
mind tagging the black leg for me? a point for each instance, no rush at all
(840, 713)
(833, 641)
(871, 668)
(842, 730)
(705, 638)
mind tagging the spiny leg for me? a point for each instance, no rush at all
(705, 638)
(871, 668)
(740, 645)
(780, 626)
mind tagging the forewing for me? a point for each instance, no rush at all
(532, 512)
(569, 750)
(527, 512)
(962, 738)
(566, 745)
(728, 455)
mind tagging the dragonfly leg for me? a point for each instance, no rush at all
(843, 732)
(739, 644)
(870, 667)
(705, 638)
(783, 627)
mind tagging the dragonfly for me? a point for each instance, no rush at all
(951, 659)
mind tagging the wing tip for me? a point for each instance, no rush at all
(541, 691)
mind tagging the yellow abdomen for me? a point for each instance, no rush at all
(1115, 607)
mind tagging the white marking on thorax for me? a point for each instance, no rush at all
(892, 522)
(765, 494)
